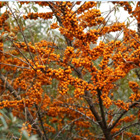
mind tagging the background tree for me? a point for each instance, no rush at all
(58, 82)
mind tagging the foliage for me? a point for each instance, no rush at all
(63, 75)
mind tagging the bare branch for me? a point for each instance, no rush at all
(124, 128)
(123, 113)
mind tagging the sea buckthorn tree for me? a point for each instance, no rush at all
(75, 83)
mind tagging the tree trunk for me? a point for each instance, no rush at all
(107, 134)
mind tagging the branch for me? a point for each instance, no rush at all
(30, 117)
(125, 127)
(15, 66)
(123, 113)
(137, 73)
(84, 115)
(92, 108)
(67, 126)
(9, 87)
(15, 57)
(39, 116)
(21, 33)
(59, 20)
(101, 108)
(21, 53)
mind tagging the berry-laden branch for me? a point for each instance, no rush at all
(68, 79)
(29, 116)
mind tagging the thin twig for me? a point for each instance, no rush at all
(21, 53)
(66, 127)
(21, 33)
(14, 56)
(123, 113)
(124, 128)
(15, 66)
